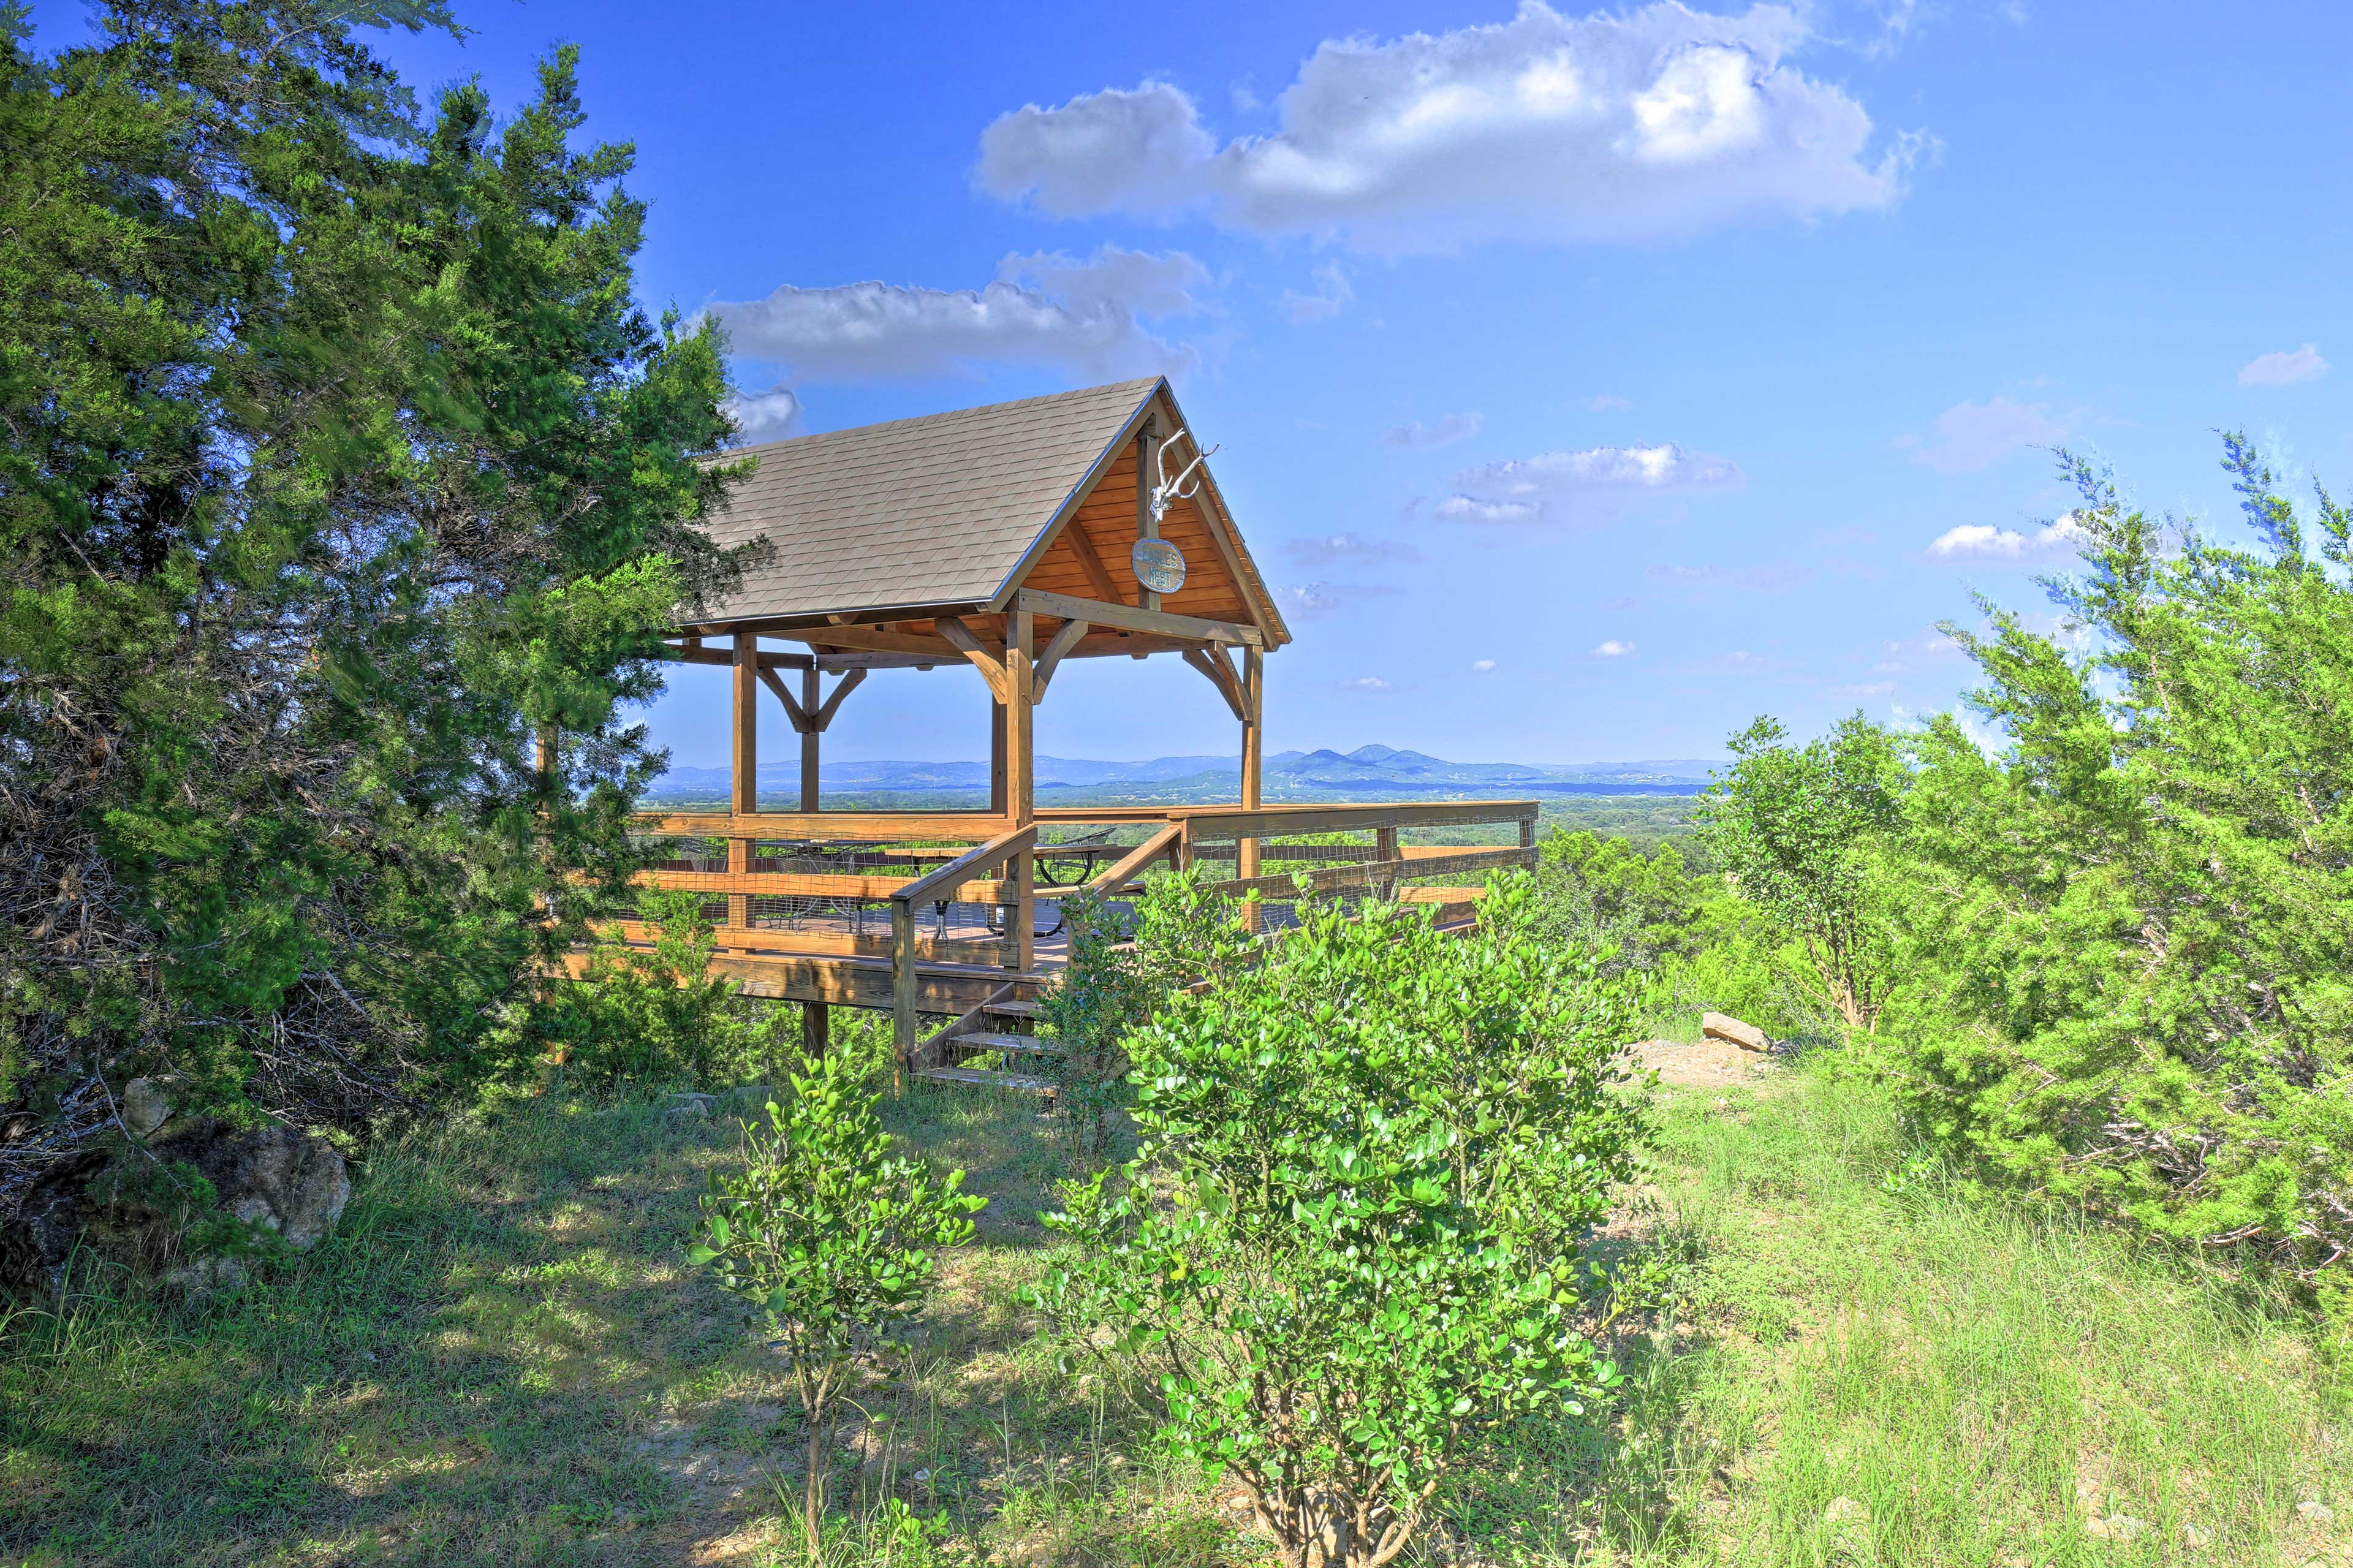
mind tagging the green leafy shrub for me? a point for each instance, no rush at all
(1806, 833)
(657, 1016)
(1698, 944)
(832, 1238)
(1345, 1253)
(2144, 942)
(1122, 969)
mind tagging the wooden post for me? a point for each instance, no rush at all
(996, 797)
(810, 738)
(1021, 776)
(743, 767)
(817, 1028)
(902, 982)
(1147, 447)
(1253, 766)
(1385, 847)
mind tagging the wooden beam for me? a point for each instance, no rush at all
(795, 714)
(1191, 628)
(697, 654)
(840, 826)
(856, 982)
(1222, 679)
(863, 639)
(835, 663)
(960, 637)
(1376, 873)
(1064, 641)
(1091, 562)
(850, 683)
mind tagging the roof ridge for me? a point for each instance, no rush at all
(1104, 386)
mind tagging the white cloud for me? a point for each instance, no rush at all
(1604, 403)
(1443, 432)
(1470, 508)
(1666, 467)
(1370, 685)
(2284, 369)
(1082, 317)
(1143, 151)
(767, 416)
(1482, 666)
(1656, 124)
(1323, 550)
(1773, 577)
(1984, 541)
(1614, 648)
(1592, 481)
(1972, 436)
(1310, 600)
(1333, 295)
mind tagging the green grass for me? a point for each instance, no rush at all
(501, 1360)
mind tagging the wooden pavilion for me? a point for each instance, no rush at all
(1009, 539)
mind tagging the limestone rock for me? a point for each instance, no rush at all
(1724, 1026)
(146, 1106)
(293, 1182)
(206, 1274)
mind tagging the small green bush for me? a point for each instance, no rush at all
(832, 1238)
(655, 1017)
(1344, 1256)
(1123, 969)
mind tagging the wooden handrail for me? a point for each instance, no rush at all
(1136, 860)
(968, 867)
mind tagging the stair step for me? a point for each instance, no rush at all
(1029, 1042)
(1020, 1007)
(972, 1077)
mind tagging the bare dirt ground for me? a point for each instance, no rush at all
(1707, 1064)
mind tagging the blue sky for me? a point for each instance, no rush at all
(1588, 381)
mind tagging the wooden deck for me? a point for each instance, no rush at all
(950, 914)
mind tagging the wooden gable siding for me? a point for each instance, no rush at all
(1106, 517)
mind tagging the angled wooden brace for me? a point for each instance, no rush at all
(799, 716)
(959, 636)
(1213, 663)
(1063, 642)
(850, 683)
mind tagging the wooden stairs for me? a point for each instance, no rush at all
(997, 1035)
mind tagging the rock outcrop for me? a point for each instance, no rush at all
(1724, 1026)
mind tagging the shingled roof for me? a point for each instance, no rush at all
(914, 513)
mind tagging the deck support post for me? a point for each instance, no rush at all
(903, 983)
(810, 738)
(817, 1029)
(1253, 766)
(743, 767)
(1021, 778)
(996, 798)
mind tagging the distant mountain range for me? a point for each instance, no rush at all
(1368, 773)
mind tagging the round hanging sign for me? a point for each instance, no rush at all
(1159, 565)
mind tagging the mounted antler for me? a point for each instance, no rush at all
(1168, 490)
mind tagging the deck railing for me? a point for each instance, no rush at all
(801, 888)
